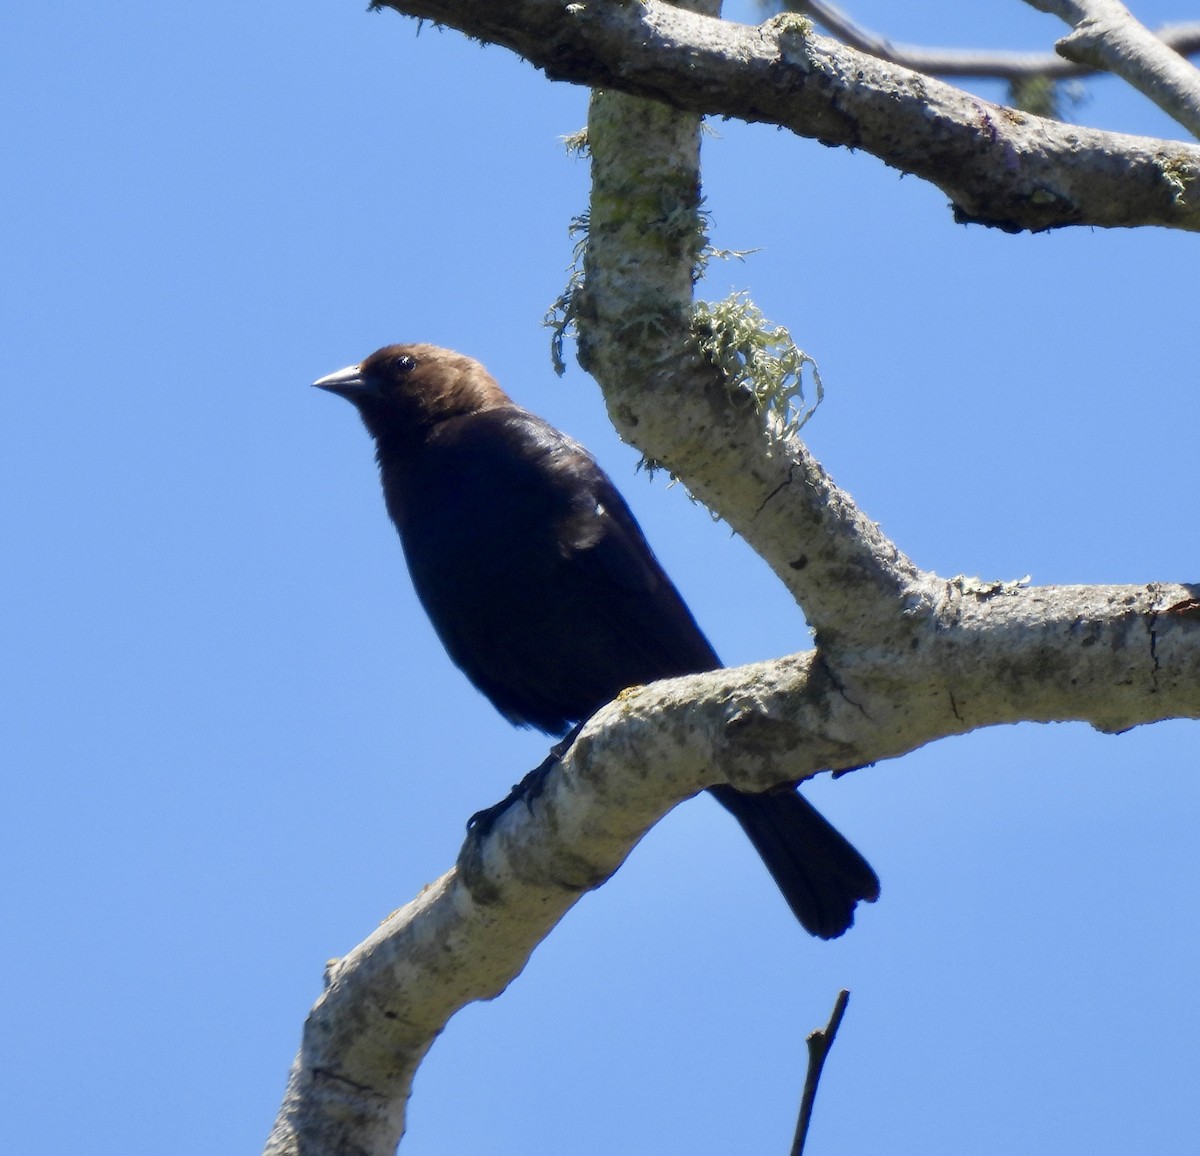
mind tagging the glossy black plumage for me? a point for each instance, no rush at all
(544, 591)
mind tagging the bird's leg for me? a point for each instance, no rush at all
(527, 789)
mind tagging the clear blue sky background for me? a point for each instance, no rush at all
(231, 744)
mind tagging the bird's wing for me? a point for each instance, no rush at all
(606, 547)
(537, 576)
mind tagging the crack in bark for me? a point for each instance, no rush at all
(333, 1077)
(954, 705)
(822, 664)
(777, 490)
(1152, 626)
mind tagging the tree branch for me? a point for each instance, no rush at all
(1108, 36)
(637, 337)
(977, 63)
(905, 657)
(985, 655)
(998, 166)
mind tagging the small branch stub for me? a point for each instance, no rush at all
(819, 1042)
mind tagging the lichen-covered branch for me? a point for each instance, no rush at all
(903, 657)
(998, 166)
(638, 337)
(1106, 35)
(1113, 656)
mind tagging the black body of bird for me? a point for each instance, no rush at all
(544, 591)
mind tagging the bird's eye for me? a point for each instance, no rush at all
(405, 364)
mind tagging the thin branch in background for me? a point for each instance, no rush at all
(1011, 66)
(1105, 34)
(819, 1042)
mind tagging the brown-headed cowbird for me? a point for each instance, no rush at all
(544, 591)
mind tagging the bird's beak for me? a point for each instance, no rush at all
(348, 383)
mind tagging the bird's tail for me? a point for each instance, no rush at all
(821, 875)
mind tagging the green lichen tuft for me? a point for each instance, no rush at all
(1044, 96)
(561, 316)
(979, 588)
(792, 22)
(576, 143)
(1178, 173)
(759, 360)
(712, 253)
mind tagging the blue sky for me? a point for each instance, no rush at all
(231, 743)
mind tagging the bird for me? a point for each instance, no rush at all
(543, 589)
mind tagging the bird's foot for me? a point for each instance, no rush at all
(528, 789)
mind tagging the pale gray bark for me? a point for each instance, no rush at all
(1106, 35)
(979, 655)
(998, 166)
(904, 657)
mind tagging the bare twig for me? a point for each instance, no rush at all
(819, 1042)
(1106, 35)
